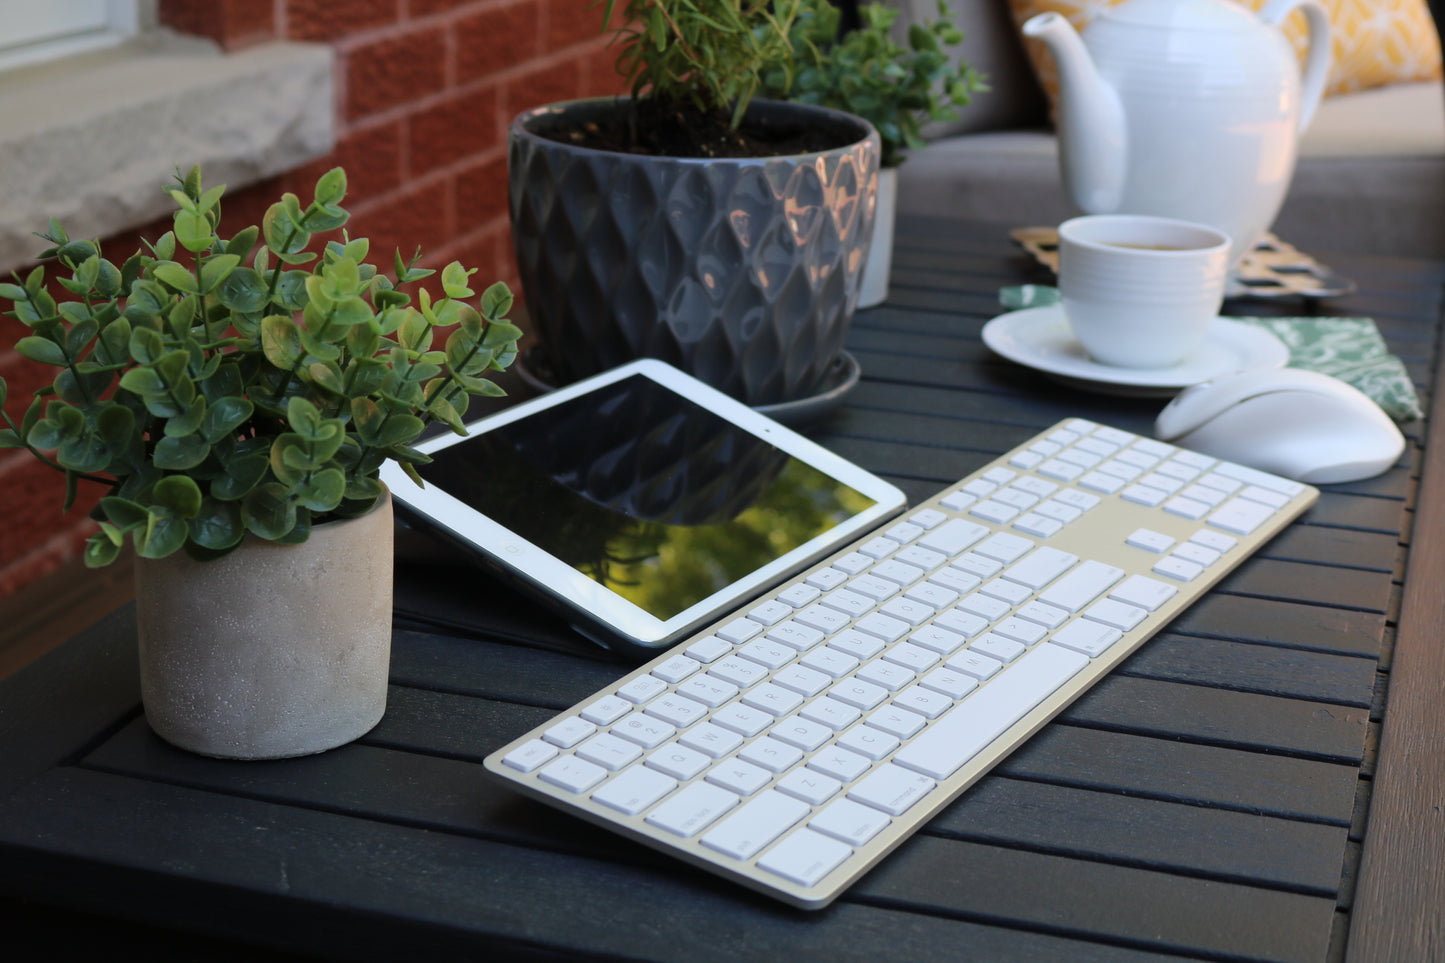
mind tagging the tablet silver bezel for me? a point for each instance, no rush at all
(594, 609)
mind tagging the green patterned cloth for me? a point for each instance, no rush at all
(1350, 349)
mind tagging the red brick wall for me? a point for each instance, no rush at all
(425, 90)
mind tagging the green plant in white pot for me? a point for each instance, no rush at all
(896, 88)
(236, 397)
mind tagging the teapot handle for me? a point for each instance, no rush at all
(1317, 63)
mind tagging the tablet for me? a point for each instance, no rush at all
(640, 502)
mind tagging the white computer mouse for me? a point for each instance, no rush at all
(1300, 424)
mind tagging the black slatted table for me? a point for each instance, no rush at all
(1210, 800)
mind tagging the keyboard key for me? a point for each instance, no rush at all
(678, 761)
(1215, 540)
(609, 751)
(1003, 547)
(850, 822)
(644, 730)
(633, 791)
(1144, 592)
(805, 857)
(1241, 516)
(740, 672)
(1187, 508)
(839, 763)
(639, 690)
(529, 755)
(802, 680)
(1090, 638)
(832, 713)
(711, 740)
(770, 612)
(891, 789)
(709, 648)
(867, 741)
(739, 630)
(950, 682)
(1040, 567)
(772, 699)
(739, 776)
(849, 603)
(953, 537)
(572, 774)
(774, 755)
(997, 647)
(744, 720)
(803, 733)
(976, 721)
(1179, 569)
(1117, 614)
(813, 788)
(830, 661)
(825, 579)
(1040, 526)
(569, 732)
(677, 710)
(1150, 541)
(693, 809)
(677, 668)
(1082, 585)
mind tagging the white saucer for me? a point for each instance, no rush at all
(1040, 338)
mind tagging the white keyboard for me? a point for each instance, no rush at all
(792, 746)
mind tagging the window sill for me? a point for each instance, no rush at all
(92, 140)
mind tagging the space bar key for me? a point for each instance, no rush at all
(968, 727)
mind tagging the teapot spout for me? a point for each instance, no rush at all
(1093, 144)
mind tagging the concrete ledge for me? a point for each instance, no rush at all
(92, 140)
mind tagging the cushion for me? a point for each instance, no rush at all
(1374, 42)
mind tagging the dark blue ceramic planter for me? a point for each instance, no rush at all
(742, 272)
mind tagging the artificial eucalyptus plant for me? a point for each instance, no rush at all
(217, 387)
(868, 73)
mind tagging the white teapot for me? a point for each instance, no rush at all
(1184, 108)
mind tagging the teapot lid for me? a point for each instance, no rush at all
(1186, 14)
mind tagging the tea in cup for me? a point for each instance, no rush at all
(1140, 291)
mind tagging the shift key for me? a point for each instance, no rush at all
(968, 727)
(1081, 586)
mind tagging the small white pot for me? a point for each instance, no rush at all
(874, 288)
(273, 650)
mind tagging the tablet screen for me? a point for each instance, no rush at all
(645, 491)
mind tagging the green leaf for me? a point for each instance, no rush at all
(40, 349)
(216, 270)
(114, 344)
(282, 227)
(10, 438)
(87, 453)
(189, 420)
(268, 512)
(496, 301)
(146, 346)
(327, 376)
(281, 341)
(123, 513)
(180, 453)
(116, 426)
(218, 525)
(242, 474)
(323, 491)
(179, 495)
(163, 536)
(100, 550)
(224, 417)
(454, 281)
(193, 230)
(331, 187)
(176, 276)
(305, 418)
(245, 239)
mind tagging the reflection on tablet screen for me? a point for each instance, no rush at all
(646, 492)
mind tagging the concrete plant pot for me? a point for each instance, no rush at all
(273, 650)
(742, 272)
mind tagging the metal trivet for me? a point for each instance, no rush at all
(1272, 269)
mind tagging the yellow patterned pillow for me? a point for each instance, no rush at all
(1375, 42)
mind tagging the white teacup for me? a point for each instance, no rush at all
(1138, 291)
